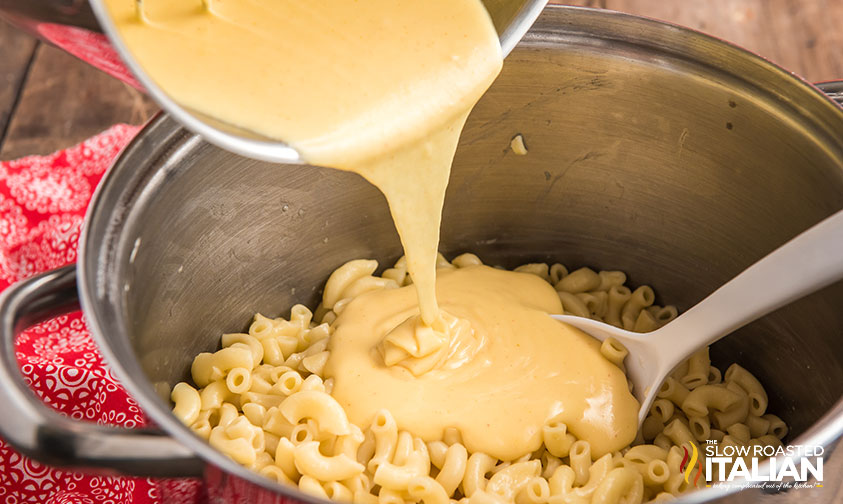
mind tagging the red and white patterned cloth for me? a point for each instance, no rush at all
(42, 206)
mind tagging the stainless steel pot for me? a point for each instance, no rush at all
(652, 149)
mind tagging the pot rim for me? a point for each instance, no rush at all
(122, 186)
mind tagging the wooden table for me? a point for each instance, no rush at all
(50, 100)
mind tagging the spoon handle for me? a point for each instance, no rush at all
(807, 263)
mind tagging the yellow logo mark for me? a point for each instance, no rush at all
(688, 465)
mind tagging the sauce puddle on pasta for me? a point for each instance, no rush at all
(501, 384)
(383, 88)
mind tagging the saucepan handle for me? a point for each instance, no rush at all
(834, 90)
(42, 433)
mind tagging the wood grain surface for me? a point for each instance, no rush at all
(53, 100)
(50, 100)
(16, 52)
(803, 36)
(64, 101)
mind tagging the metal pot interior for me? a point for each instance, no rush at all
(657, 151)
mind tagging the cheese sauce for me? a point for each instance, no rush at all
(382, 88)
(518, 369)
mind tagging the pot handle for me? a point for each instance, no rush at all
(832, 89)
(45, 435)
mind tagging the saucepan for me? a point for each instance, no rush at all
(77, 26)
(651, 148)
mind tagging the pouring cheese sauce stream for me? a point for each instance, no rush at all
(383, 88)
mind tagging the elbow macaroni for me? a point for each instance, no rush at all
(262, 401)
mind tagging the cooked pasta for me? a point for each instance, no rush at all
(263, 402)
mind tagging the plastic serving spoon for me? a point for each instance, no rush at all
(805, 264)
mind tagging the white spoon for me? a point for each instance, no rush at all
(805, 264)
